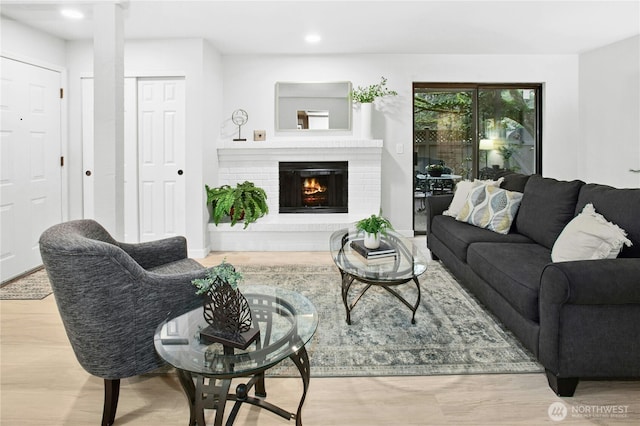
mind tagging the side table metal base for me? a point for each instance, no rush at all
(212, 393)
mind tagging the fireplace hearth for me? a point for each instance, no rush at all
(313, 186)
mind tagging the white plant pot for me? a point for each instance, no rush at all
(365, 120)
(371, 241)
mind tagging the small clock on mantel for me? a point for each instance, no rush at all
(239, 118)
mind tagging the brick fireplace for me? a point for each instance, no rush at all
(259, 162)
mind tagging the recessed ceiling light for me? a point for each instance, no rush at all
(72, 13)
(312, 38)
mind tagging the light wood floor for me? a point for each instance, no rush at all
(43, 384)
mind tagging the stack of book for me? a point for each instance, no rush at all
(384, 251)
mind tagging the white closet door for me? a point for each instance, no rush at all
(131, 224)
(154, 151)
(130, 156)
(30, 176)
(161, 155)
(88, 202)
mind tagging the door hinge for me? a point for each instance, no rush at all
(61, 161)
(61, 93)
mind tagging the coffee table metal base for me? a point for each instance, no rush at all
(213, 393)
(348, 279)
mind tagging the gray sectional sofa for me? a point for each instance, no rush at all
(581, 319)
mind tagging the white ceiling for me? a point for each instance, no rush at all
(353, 27)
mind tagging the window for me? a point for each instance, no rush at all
(474, 131)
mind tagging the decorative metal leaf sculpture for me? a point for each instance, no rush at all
(227, 310)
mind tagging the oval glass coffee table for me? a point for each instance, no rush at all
(405, 266)
(287, 321)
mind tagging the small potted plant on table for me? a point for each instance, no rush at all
(435, 170)
(246, 202)
(373, 226)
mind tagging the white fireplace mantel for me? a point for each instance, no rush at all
(232, 148)
(258, 162)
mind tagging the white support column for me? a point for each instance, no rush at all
(108, 68)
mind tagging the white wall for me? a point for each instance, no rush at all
(578, 110)
(610, 114)
(249, 83)
(33, 46)
(200, 64)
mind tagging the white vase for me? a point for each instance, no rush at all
(372, 241)
(365, 120)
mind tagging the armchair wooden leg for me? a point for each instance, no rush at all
(111, 393)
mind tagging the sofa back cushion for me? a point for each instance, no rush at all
(513, 181)
(546, 208)
(619, 206)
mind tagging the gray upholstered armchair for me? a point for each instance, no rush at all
(112, 296)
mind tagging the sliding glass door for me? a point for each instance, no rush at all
(473, 131)
(509, 130)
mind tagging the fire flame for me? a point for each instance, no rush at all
(311, 186)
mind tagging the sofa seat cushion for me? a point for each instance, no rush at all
(513, 270)
(457, 236)
(177, 267)
(546, 208)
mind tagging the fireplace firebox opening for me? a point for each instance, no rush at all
(314, 186)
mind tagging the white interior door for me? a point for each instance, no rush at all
(30, 177)
(154, 155)
(88, 194)
(131, 225)
(161, 151)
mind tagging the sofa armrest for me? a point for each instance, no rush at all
(435, 205)
(592, 282)
(155, 253)
(590, 318)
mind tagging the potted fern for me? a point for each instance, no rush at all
(373, 226)
(244, 203)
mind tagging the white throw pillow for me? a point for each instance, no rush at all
(459, 197)
(495, 183)
(589, 236)
(491, 208)
(462, 192)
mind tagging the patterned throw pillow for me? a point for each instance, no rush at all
(462, 192)
(491, 208)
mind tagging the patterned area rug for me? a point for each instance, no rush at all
(453, 334)
(34, 286)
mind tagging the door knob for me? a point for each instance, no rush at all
(634, 170)
(88, 173)
(180, 172)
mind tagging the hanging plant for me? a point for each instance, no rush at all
(246, 203)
